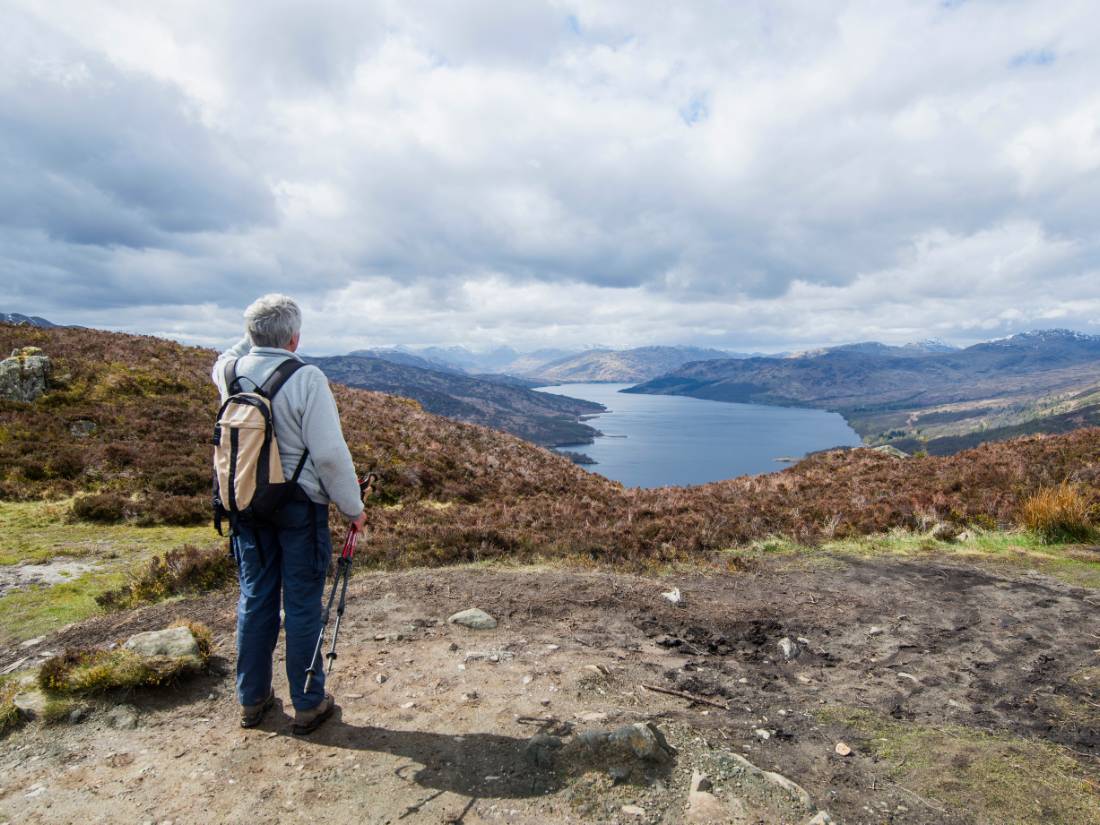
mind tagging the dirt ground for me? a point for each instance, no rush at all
(436, 720)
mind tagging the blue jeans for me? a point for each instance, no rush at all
(291, 554)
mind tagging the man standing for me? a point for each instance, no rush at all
(289, 553)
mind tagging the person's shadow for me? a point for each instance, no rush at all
(474, 765)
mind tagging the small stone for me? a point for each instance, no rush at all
(673, 596)
(381, 678)
(37, 640)
(644, 740)
(842, 749)
(78, 715)
(762, 734)
(633, 810)
(789, 648)
(593, 716)
(875, 630)
(453, 646)
(820, 818)
(408, 705)
(122, 717)
(473, 618)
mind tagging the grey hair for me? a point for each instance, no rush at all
(273, 320)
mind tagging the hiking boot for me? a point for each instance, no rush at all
(307, 721)
(252, 715)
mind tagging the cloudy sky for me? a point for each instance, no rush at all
(752, 175)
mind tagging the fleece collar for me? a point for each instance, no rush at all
(274, 352)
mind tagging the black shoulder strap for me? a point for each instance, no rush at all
(282, 374)
(231, 377)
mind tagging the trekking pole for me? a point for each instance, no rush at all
(340, 580)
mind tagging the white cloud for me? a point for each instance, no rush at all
(556, 172)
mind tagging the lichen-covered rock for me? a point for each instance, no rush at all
(474, 618)
(172, 643)
(25, 375)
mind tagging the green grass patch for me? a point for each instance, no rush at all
(998, 779)
(1009, 550)
(34, 611)
(39, 531)
(36, 531)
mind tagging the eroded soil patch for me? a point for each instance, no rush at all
(432, 720)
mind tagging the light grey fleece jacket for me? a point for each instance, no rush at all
(305, 417)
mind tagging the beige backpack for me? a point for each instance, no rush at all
(248, 474)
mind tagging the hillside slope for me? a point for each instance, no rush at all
(943, 401)
(453, 491)
(504, 405)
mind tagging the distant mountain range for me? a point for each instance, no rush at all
(918, 348)
(941, 400)
(29, 320)
(630, 365)
(502, 402)
(555, 366)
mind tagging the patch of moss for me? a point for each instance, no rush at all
(993, 778)
(91, 671)
(11, 716)
(59, 709)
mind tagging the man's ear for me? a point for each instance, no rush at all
(293, 345)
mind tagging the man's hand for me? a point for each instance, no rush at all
(360, 522)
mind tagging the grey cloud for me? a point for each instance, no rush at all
(97, 155)
(779, 171)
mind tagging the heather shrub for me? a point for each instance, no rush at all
(120, 455)
(106, 508)
(1060, 513)
(186, 569)
(182, 482)
(65, 464)
(178, 511)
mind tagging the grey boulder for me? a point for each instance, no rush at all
(24, 376)
(473, 618)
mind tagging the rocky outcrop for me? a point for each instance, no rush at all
(25, 375)
(172, 643)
